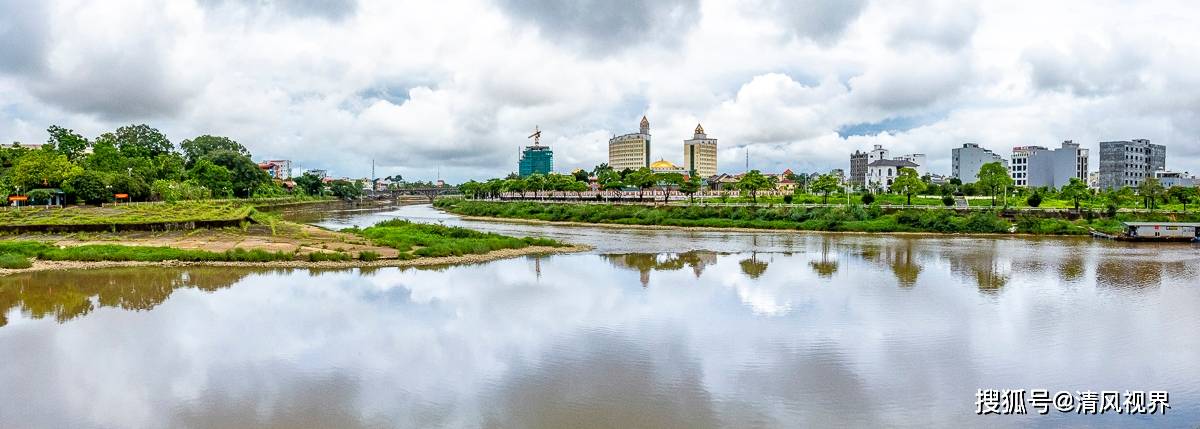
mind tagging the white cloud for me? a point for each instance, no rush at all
(456, 86)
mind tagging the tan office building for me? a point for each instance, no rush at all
(700, 154)
(630, 150)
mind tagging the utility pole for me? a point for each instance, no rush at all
(747, 159)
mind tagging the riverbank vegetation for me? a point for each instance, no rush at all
(994, 188)
(139, 163)
(854, 218)
(116, 252)
(414, 240)
(183, 211)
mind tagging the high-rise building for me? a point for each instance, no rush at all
(858, 169)
(1128, 163)
(1038, 166)
(700, 154)
(536, 158)
(630, 150)
(966, 161)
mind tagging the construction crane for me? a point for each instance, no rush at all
(536, 136)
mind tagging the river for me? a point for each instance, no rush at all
(662, 328)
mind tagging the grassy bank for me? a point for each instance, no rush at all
(186, 211)
(414, 240)
(855, 218)
(116, 252)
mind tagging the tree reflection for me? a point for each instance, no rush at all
(752, 267)
(1121, 273)
(982, 266)
(643, 263)
(825, 268)
(66, 295)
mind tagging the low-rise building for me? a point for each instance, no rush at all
(1170, 178)
(278, 169)
(881, 173)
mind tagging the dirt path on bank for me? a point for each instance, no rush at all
(282, 237)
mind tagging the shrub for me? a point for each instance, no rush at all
(787, 199)
(13, 261)
(947, 200)
(368, 256)
(868, 199)
(328, 256)
(1034, 200)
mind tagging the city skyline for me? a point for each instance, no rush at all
(334, 85)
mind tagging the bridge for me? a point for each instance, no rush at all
(429, 192)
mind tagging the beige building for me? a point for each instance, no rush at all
(700, 154)
(630, 150)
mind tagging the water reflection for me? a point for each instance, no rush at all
(65, 295)
(838, 330)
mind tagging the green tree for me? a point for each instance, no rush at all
(580, 175)
(535, 182)
(244, 174)
(1150, 189)
(515, 184)
(212, 176)
(1075, 190)
(994, 177)
(345, 189)
(470, 189)
(131, 184)
(666, 181)
(88, 187)
(690, 187)
(141, 141)
(41, 168)
(600, 169)
(752, 182)
(205, 145)
(643, 178)
(311, 184)
(908, 183)
(578, 188)
(1116, 198)
(825, 184)
(610, 179)
(1183, 194)
(165, 190)
(67, 142)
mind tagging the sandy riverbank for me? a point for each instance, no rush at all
(447, 260)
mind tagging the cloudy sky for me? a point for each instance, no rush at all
(455, 86)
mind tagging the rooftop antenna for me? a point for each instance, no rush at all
(536, 136)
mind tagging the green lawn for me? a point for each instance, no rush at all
(125, 214)
(418, 239)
